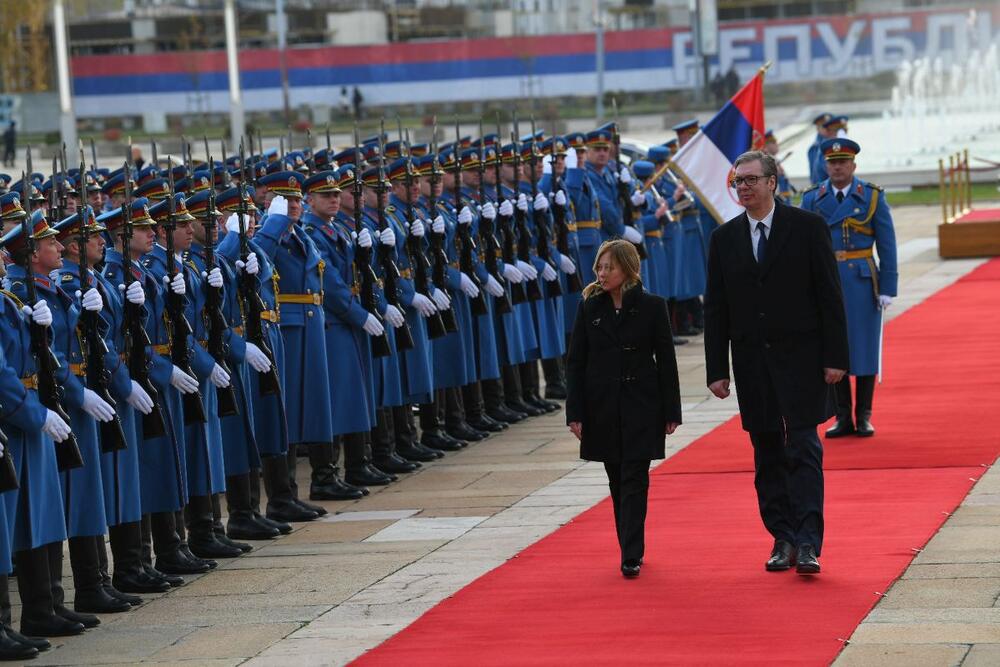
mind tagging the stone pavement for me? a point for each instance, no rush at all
(337, 587)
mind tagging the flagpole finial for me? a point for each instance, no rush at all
(766, 66)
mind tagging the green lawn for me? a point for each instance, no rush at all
(931, 196)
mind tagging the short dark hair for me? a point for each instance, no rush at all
(767, 162)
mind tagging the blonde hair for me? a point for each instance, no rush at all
(624, 256)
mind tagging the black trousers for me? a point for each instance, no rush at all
(788, 476)
(629, 484)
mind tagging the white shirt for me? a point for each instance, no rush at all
(846, 190)
(754, 234)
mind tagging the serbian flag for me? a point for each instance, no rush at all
(706, 161)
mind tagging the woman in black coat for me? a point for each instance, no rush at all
(624, 396)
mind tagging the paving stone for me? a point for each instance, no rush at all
(901, 655)
(318, 532)
(229, 582)
(112, 644)
(982, 655)
(236, 641)
(929, 593)
(953, 571)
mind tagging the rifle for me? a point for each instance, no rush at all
(390, 272)
(477, 304)
(92, 343)
(214, 318)
(552, 287)
(136, 339)
(156, 163)
(311, 158)
(419, 263)
(491, 247)
(523, 234)
(624, 196)
(364, 276)
(437, 240)
(517, 293)
(93, 156)
(227, 179)
(252, 304)
(50, 393)
(180, 355)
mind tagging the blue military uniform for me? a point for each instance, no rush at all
(655, 271)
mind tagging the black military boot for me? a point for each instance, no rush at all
(531, 385)
(380, 446)
(282, 527)
(555, 379)
(202, 541)
(242, 524)
(281, 506)
(219, 530)
(513, 392)
(37, 643)
(102, 559)
(170, 557)
(495, 403)
(38, 616)
(844, 425)
(55, 555)
(126, 551)
(87, 581)
(403, 428)
(326, 485)
(865, 385)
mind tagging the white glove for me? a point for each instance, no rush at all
(566, 265)
(177, 284)
(257, 359)
(97, 407)
(625, 176)
(417, 228)
(493, 288)
(512, 274)
(233, 221)
(465, 216)
(506, 208)
(884, 301)
(423, 305)
(560, 198)
(182, 382)
(522, 202)
(134, 293)
(40, 314)
(638, 198)
(55, 427)
(441, 300)
(92, 301)
(530, 272)
(632, 234)
(488, 211)
(572, 160)
(365, 239)
(394, 317)
(251, 266)
(139, 399)
(214, 277)
(541, 202)
(548, 273)
(468, 286)
(387, 237)
(219, 377)
(372, 326)
(438, 225)
(279, 206)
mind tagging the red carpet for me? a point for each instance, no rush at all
(981, 215)
(703, 596)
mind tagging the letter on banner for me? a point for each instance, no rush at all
(684, 63)
(841, 53)
(958, 24)
(729, 50)
(799, 36)
(888, 50)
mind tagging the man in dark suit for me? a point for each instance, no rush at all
(774, 297)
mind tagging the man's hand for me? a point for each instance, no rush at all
(720, 388)
(833, 375)
(577, 429)
(671, 427)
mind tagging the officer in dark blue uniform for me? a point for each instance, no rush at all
(814, 156)
(860, 222)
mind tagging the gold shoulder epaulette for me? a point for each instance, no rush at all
(13, 297)
(873, 186)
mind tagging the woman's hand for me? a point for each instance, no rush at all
(577, 429)
(671, 427)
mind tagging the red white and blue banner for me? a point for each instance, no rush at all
(808, 49)
(706, 160)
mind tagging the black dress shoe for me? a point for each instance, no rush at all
(209, 547)
(138, 581)
(372, 470)
(39, 643)
(865, 428)
(132, 600)
(97, 601)
(286, 511)
(505, 415)
(11, 649)
(394, 464)
(50, 626)
(541, 403)
(334, 489)
(230, 542)
(441, 443)
(485, 423)
(245, 526)
(465, 432)
(521, 406)
(806, 561)
(280, 526)
(841, 428)
(366, 476)
(630, 568)
(86, 620)
(555, 392)
(172, 580)
(416, 453)
(782, 557)
(187, 553)
(319, 509)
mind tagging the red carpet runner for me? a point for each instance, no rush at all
(703, 596)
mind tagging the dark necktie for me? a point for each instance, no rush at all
(761, 241)
(840, 197)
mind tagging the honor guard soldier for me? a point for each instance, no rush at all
(652, 217)
(697, 225)
(784, 189)
(860, 221)
(814, 156)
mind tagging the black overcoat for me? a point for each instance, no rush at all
(783, 318)
(622, 377)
